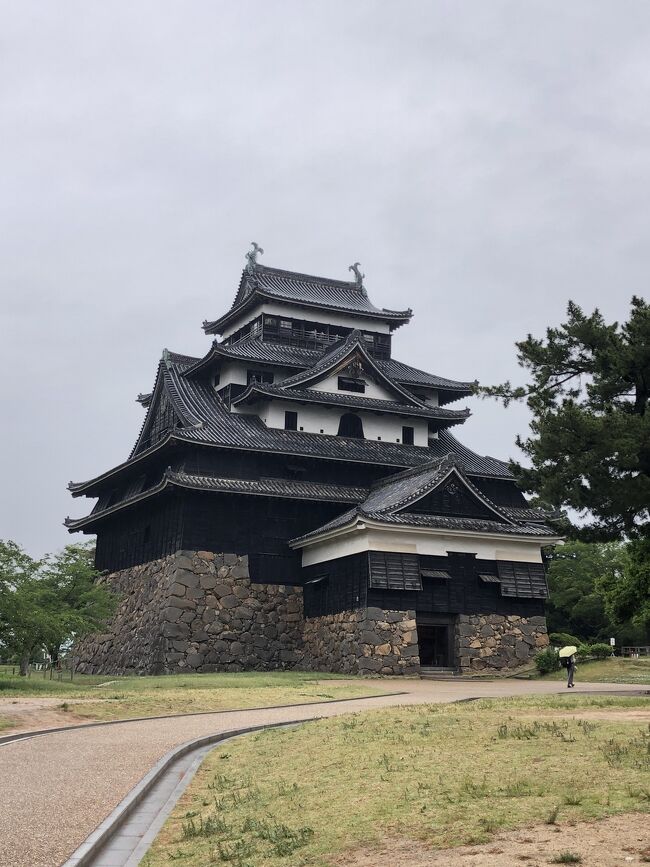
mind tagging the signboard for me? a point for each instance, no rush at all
(612, 641)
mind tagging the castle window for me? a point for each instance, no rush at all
(407, 435)
(259, 376)
(350, 425)
(291, 420)
(348, 383)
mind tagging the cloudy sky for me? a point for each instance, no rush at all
(485, 161)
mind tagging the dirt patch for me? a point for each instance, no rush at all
(27, 714)
(612, 842)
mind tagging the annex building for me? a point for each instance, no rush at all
(296, 499)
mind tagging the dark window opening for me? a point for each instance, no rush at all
(216, 379)
(259, 376)
(407, 435)
(350, 425)
(348, 383)
(291, 420)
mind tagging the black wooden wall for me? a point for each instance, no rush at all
(463, 593)
(147, 531)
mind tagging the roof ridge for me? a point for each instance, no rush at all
(312, 278)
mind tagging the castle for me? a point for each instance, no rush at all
(296, 499)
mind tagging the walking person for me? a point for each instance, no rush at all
(571, 670)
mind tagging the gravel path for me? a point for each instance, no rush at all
(56, 789)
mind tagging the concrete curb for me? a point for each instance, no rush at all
(84, 855)
(18, 736)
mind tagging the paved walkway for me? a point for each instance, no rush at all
(56, 789)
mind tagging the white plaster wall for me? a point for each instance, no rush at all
(319, 419)
(327, 317)
(232, 372)
(431, 542)
(237, 372)
(373, 389)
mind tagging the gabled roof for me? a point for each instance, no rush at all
(278, 354)
(390, 500)
(165, 385)
(258, 390)
(304, 290)
(338, 355)
(396, 493)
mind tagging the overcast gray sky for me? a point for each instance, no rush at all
(485, 161)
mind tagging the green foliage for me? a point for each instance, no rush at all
(45, 603)
(577, 574)
(547, 660)
(627, 596)
(601, 650)
(562, 639)
(590, 434)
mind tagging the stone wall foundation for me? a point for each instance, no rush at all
(196, 611)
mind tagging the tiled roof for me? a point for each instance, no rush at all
(283, 488)
(395, 493)
(305, 290)
(303, 395)
(473, 524)
(411, 519)
(408, 375)
(256, 349)
(389, 500)
(260, 351)
(208, 421)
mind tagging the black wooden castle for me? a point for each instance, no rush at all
(299, 441)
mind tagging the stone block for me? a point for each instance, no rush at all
(172, 614)
(522, 650)
(186, 577)
(370, 664)
(222, 590)
(194, 660)
(373, 614)
(230, 601)
(184, 603)
(205, 555)
(207, 582)
(369, 638)
(175, 630)
(177, 589)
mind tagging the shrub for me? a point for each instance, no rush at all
(600, 650)
(547, 661)
(562, 639)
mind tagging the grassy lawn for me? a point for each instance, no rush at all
(105, 698)
(443, 774)
(616, 670)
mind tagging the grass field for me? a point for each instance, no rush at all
(444, 774)
(104, 698)
(616, 670)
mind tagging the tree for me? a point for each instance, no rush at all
(576, 575)
(590, 433)
(627, 596)
(45, 603)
